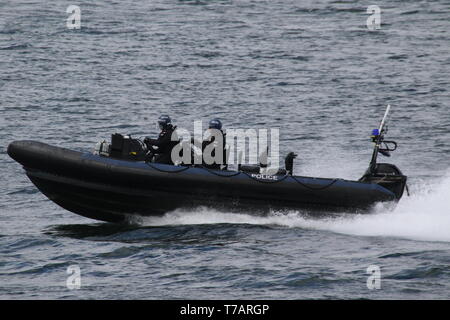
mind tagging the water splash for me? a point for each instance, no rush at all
(423, 216)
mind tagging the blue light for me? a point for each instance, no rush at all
(375, 132)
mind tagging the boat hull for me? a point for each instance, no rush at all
(114, 190)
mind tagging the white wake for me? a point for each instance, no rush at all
(425, 215)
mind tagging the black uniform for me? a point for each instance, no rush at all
(164, 144)
(205, 143)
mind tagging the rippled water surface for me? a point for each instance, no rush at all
(310, 68)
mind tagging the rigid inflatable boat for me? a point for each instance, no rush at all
(113, 188)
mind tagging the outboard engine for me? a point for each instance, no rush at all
(388, 176)
(385, 174)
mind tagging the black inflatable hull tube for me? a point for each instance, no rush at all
(112, 190)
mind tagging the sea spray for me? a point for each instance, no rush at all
(425, 215)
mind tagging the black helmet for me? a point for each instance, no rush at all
(164, 121)
(215, 124)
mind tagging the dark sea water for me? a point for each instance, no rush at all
(310, 68)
